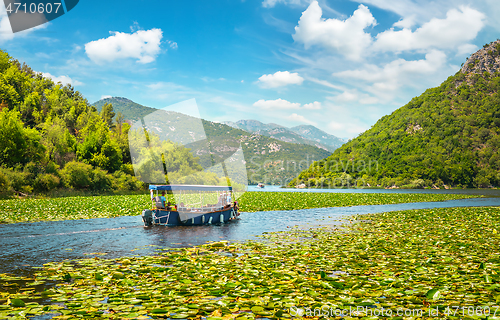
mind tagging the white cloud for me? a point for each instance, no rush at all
(458, 27)
(105, 97)
(272, 3)
(134, 27)
(313, 105)
(346, 37)
(234, 105)
(64, 80)
(170, 91)
(143, 45)
(411, 11)
(373, 73)
(173, 45)
(369, 100)
(397, 73)
(347, 121)
(346, 96)
(326, 83)
(466, 49)
(417, 12)
(276, 104)
(299, 118)
(406, 22)
(353, 96)
(343, 128)
(280, 104)
(280, 79)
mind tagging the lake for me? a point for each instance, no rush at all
(31, 244)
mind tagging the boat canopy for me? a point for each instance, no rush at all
(174, 187)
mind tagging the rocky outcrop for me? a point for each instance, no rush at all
(486, 60)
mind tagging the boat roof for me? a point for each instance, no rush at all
(185, 187)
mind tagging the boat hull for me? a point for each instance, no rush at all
(174, 218)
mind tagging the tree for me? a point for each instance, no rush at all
(97, 147)
(107, 114)
(120, 119)
(18, 145)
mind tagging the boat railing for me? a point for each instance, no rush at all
(198, 209)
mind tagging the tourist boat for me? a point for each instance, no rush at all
(260, 185)
(195, 205)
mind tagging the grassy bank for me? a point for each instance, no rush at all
(421, 261)
(72, 208)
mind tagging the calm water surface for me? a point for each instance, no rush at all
(31, 244)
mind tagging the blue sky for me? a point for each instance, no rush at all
(339, 65)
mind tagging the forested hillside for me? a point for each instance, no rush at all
(128, 108)
(51, 138)
(449, 136)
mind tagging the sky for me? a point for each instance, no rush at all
(336, 64)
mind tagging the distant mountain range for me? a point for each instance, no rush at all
(268, 160)
(305, 134)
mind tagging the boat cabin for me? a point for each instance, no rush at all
(190, 204)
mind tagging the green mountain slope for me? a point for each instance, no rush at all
(268, 160)
(129, 109)
(449, 136)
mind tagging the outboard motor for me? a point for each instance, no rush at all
(147, 217)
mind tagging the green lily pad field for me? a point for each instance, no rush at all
(73, 208)
(418, 264)
(268, 201)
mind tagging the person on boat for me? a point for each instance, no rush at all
(236, 208)
(169, 206)
(175, 207)
(163, 199)
(220, 202)
(228, 199)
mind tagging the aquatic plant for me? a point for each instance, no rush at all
(73, 208)
(440, 263)
(266, 201)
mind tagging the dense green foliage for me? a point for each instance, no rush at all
(270, 201)
(51, 138)
(429, 263)
(81, 207)
(449, 135)
(71, 208)
(128, 108)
